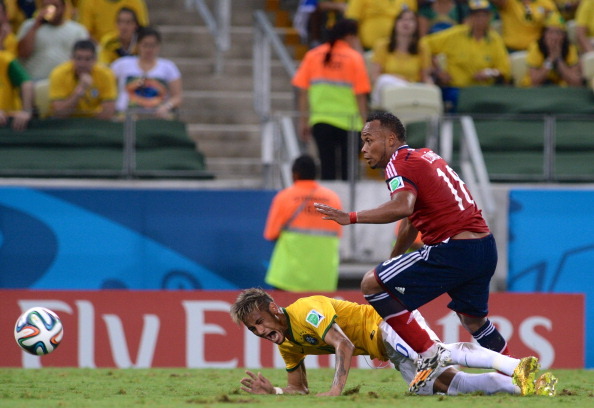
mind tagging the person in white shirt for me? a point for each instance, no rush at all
(147, 83)
(46, 40)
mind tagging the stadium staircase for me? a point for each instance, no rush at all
(218, 107)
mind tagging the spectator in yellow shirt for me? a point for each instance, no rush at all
(567, 8)
(584, 30)
(399, 59)
(8, 41)
(121, 43)
(81, 87)
(16, 93)
(376, 17)
(99, 16)
(522, 21)
(474, 53)
(552, 59)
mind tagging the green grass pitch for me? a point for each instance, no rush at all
(377, 388)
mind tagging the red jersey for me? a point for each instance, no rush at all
(444, 207)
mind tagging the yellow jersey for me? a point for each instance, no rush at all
(310, 318)
(522, 24)
(111, 48)
(63, 81)
(376, 17)
(407, 66)
(536, 59)
(584, 16)
(466, 56)
(12, 76)
(99, 16)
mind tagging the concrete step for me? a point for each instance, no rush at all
(236, 75)
(218, 107)
(227, 140)
(196, 41)
(248, 170)
(227, 107)
(175, 11)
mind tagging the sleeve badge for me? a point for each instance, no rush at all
(395, 183)
(314, 318)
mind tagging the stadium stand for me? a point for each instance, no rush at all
(512, 124)
(95, 148)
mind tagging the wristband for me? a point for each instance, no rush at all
(353, 217)
(278, 390)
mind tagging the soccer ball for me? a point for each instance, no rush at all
(38, 331)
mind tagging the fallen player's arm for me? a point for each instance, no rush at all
(258, 384)
(344, 348)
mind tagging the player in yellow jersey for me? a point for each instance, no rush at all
(322, 325)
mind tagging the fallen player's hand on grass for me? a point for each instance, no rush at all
(256, 384)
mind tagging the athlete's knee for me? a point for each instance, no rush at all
(471, 323)
(369, 284)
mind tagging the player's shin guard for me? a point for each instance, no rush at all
(488, 337)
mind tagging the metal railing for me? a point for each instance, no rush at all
(267, 39)
(218, 25)
(547, 146)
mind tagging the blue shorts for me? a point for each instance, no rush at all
(461, 268)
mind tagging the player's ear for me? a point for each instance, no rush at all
(273, 308)
(391, 138)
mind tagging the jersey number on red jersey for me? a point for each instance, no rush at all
(456, 186)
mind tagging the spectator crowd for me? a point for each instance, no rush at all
(82, 58)
(460, 43)
(445, 44)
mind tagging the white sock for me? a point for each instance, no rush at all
(474, 356)
(489, 383)
(429, 352)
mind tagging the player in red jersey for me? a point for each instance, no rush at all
(459, 256)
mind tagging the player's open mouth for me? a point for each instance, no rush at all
(274, 336)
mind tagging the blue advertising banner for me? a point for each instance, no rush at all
(132, 238)
(551, 247)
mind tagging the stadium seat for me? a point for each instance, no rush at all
(42, 102)
(413, 103)
(518, 66)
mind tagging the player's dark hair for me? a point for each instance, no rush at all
(389, 121)
(84, 45)
(248, 301)
(305, 167)
(148, 32)
(340, 30)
